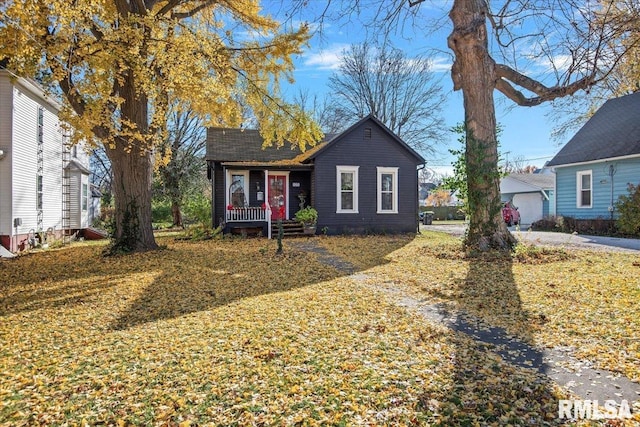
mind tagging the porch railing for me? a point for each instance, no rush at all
(246, 214)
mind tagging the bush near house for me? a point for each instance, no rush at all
(566, 224)
(628, 207)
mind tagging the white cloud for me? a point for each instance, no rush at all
(440, 63)
(560, 63)
(325, 59)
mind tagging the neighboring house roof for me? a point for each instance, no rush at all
(240, 147)
(613, 131)
(527, 183)
(535, 180)
(30, 85)
(75, 164)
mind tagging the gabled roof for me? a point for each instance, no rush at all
(75, 164)
(370, 117)
(245, 146)
(613, 131)
(540, 181)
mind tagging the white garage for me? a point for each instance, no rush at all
(531, 193)
(530, 207)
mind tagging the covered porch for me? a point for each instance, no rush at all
(250, 198)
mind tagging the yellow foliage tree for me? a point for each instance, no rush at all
(622, 15)
(118, 64)
(439, 198)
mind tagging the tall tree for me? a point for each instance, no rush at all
(562, 28)
(120, 63)
(323, 112)
(577, 43)
(400, 91)
(183, 160)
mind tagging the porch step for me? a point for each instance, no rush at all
(290, 228)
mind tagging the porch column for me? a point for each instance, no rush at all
(212, 171)
(267, 211)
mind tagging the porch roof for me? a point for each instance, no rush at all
(284, 164)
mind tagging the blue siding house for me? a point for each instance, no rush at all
(363, 180)
(594, 168)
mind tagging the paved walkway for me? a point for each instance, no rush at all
(558, 364)
(577, 241)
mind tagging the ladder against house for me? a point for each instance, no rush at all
(40, 172)
(66, 192)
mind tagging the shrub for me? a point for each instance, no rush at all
(628, 207)
(107, 220)
(548, 223)
(197, 209)
(161, 210)
(307, 216)
(567, 224)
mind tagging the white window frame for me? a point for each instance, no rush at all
(39, 191)
(339, 171)
(579, 189)
(85, 197)
(394, 201)
(245, 186)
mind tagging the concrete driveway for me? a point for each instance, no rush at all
(579, 241)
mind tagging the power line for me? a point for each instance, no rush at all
(523, 160)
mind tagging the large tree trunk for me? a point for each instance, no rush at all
(474, 73)
(132, 163)
(132, 174)
(176, 213)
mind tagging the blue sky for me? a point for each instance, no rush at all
(526, 130)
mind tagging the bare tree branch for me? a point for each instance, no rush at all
(507, 74)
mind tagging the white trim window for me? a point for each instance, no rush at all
(85, 197)
(387, 190)
(237, 188)
(584, 191)
(347, 189)
(39, 192)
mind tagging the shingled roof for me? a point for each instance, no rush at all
(543, 181)
(613, 131)
(244, 147)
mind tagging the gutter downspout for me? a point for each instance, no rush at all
(212, 171)
(417, 211)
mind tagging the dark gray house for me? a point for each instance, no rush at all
(363, 180)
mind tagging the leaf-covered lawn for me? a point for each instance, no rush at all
(550, 297)
(224, 332)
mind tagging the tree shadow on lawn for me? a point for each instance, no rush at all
(204, 280)
(56, 279)
(485, 390)
(131, 290)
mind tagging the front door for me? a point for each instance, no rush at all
(278, 196)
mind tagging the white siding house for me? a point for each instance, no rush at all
(33, 197)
